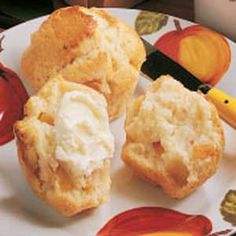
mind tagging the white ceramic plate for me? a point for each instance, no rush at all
(22, 213)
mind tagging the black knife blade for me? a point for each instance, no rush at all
(157, 64)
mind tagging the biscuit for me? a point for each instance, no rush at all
(174, 137)
(87, 46)
(65, 146)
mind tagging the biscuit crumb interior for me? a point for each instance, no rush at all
(173, 137)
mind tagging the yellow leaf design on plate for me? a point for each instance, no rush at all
(148, 22)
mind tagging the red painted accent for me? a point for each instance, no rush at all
(13, 96)
(169, 42)
(148, 220)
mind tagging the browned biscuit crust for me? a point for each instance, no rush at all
(87, 46)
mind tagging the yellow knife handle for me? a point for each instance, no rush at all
(225, 104)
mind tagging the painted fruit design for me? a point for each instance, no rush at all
(13, 96)
(203, 52)
(12, 99)
(156, 221)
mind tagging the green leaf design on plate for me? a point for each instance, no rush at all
(148, 22)
(228, 207)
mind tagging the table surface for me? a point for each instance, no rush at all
(179, 8)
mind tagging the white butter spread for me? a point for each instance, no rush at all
(82, 131)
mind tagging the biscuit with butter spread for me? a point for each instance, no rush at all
(65, 146)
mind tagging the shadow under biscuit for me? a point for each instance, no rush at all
(126, 184)
(21, 202)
